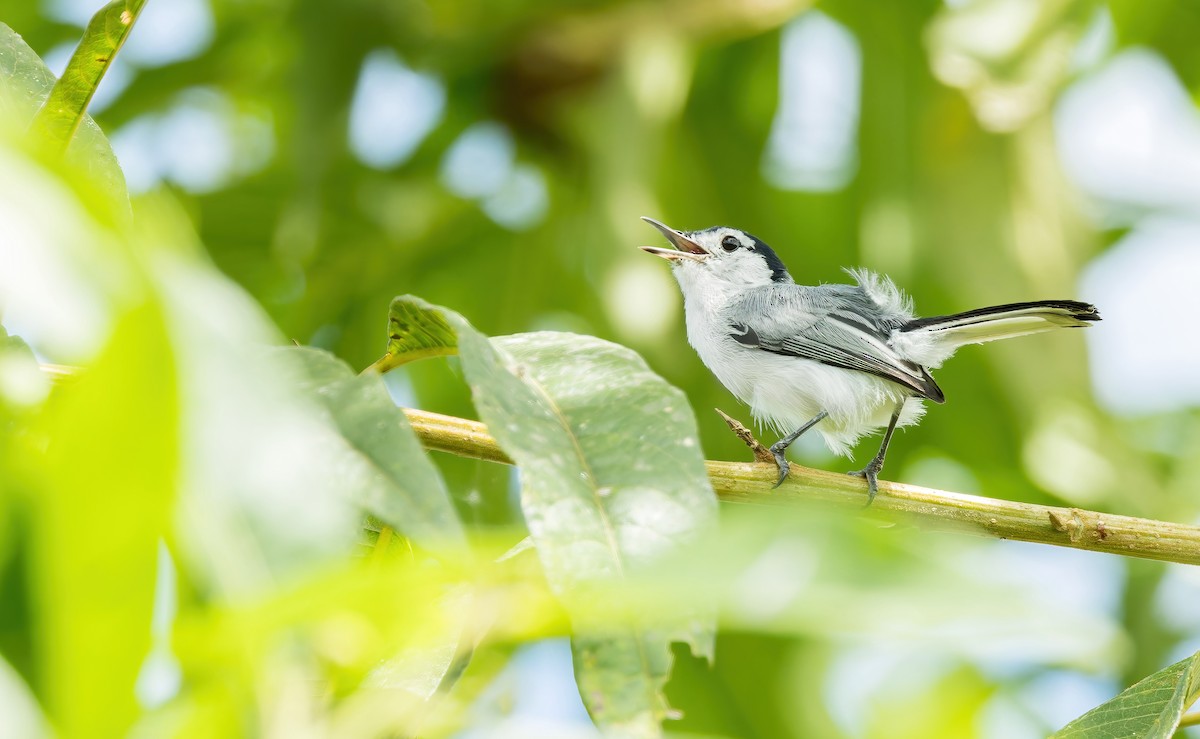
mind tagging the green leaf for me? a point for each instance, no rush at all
(612, 479)
(22, 383)
(108, 480)
(23, 389)
(24, 79)
(66, 107)
(415, 333)
(25, 84)
(22, 715)
(1150, 709)
(401, 486)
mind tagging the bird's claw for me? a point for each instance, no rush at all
(782, 463)
(870, 473)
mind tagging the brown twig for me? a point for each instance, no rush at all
(761, 453)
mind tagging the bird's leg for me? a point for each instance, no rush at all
(779, 447)
(871, 472)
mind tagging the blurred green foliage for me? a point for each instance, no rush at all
(177, 555)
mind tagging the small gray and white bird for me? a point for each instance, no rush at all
(844, 359)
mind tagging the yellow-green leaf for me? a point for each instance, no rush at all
(102, 509)
(1151, 709)
(63, 111)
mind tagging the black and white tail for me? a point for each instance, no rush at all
(1001, 322)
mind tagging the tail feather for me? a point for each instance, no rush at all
(1003, 321)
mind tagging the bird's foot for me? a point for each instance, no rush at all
(782, 463)
(870, 473)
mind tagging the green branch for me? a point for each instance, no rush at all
(926, 508)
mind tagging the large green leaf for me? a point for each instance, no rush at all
(401, 487)
(25, 85)
(107, 486)
(66, 107)
(1151, 709)
(612, 479)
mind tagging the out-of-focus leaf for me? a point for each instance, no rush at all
(1167, 27)
(1010, 72)
(95, 477)
(265, 488)
(1151, 709)
(24, 79)
(1136, 21)
(611, 479)
(404, 489)
(353, 617)
(66, 107)
(950, 707)
(23, 388)
(22, 383)
(25, 84)
(108, 481)
(22, 716)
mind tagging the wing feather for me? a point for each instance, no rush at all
(832, 326)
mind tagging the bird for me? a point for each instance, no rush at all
(843, 359)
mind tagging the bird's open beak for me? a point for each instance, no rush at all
(685, 248)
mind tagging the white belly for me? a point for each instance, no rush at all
(784, 392)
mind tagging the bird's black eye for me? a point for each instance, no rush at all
(729, 243)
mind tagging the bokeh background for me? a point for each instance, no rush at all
(495, 158)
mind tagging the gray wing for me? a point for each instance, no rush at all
(838, 325)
